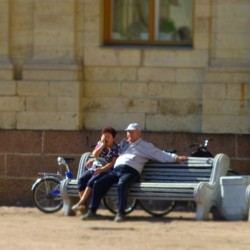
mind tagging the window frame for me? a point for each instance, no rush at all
(107, 30)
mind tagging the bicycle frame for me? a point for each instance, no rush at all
(48, 186)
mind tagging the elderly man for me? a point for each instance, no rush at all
(133, 154)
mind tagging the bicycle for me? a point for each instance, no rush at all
(46, 190)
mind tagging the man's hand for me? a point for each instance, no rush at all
(181, 159)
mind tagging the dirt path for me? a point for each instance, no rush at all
(28, 229)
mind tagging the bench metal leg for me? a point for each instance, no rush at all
(248, 201)
(202, 212)
(67, 204)
(249, 214)
(203, 197)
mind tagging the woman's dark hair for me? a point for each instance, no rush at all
(110, 130)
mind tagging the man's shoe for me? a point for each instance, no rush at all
(119, 218)
(90, 216)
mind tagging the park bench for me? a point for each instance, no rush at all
(197, 179)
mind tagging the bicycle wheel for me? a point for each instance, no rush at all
(47, 196)
(111, 203)
(157, 207)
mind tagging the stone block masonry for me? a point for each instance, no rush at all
(56, 73)
(40, 104)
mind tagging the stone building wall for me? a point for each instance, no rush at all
(57, 80)
(57, 46)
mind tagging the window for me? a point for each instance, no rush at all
(148, 22)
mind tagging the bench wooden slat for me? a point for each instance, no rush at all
(166, 178)
(181, 166)
(166, 184)
(176, 174)
(195, 163)
(157, 195)
(176, 171)
(180, 180)
(160, 192)
(169, 198)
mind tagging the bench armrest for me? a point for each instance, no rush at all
(208, 195)
(68, 201)
(81, 168)
(248, 200)
(220, 168)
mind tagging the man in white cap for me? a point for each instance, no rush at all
(134, 153)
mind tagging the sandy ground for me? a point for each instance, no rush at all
(28, 229)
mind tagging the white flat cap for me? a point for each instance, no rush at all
(133, 126)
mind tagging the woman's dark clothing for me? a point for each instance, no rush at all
(88, 178)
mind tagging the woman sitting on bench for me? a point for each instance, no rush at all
(105, 155)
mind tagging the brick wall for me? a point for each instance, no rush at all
(25, 153)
